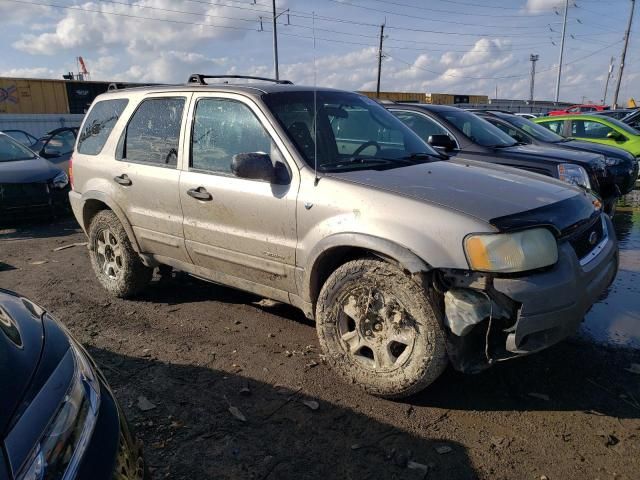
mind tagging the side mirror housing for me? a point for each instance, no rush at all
(441, 141)
(258, 166)
(613, 135)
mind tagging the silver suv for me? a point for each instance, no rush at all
(324, 200)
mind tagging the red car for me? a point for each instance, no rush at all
(583, 108)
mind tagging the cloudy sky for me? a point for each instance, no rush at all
(447, 46)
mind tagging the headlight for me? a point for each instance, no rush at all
(61, 180)
(511, 252)
(58, 452)
(612, 161)
(574, 174)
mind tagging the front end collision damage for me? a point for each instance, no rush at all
(495, 317)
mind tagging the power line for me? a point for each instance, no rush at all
(342, 2)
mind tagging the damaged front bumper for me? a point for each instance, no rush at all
(533, 312)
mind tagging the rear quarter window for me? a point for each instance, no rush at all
(99, 124)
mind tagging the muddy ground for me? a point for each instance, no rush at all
(193, 349)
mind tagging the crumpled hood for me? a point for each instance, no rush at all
(479, 189)
(28, 171)
(552, 153)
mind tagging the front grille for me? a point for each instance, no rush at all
(587, 239)
(18, 195)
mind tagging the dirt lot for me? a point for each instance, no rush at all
(194, 349)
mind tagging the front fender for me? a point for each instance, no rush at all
(407, 259)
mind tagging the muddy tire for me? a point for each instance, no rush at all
(378, 329)
(115, 262)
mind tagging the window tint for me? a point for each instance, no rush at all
(61, 143)
(555, 127)
(589, 129)
(347, 131)
(11, 150)
(423, 126)
(223, 128)
(98, 125)
(20, 137)
(512, 132)
(477, 129)
(153, 133)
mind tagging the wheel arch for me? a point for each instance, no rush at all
(338, 249)
(93, 202)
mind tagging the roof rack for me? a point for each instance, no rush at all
(199, 78)
(121, 86)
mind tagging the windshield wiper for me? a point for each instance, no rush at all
(417, 156)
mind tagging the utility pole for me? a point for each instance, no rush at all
(624, 53)
(275, 42)
(380, 60)
(533, 58)
(606, 84)
(564, 29)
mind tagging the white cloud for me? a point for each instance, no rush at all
(35, 72)
(537, 6)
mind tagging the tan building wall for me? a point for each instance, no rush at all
(18, 95)
(398, 96)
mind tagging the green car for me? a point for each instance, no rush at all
(595, 128)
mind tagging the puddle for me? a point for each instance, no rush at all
(615, 320)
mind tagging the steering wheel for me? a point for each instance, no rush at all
(370, 143)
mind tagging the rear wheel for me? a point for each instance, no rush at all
(378, 329)
(115, 262)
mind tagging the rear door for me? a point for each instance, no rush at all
(236, 226)
(146, 176)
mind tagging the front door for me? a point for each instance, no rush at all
(147, 178)
(236, 226)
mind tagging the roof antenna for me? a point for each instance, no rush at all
(315, 104)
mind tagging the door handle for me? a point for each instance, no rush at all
(123, 180)
(199, 193)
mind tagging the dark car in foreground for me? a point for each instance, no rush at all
(58, 417)
(29, 185)
(622, 167)
(25, 138)
(458, 132)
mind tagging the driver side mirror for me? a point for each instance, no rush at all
(442, 141)
(258, 166)
(613, 135)
(50, 153)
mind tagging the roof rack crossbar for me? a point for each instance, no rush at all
(199, 78)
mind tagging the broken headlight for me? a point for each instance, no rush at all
(60, 180)
(59, 450)
(574, 174)
(511, 252)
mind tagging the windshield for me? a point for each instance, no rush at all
(12, 151)
(350, 131)
(477, 129)
(536, 131)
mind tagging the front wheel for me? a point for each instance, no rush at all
(378, 329)
(114, 261)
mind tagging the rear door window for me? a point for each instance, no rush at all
(61, 143)
(423, 126)
(99, 124)
(153, 133)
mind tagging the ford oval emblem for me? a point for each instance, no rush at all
(593, 238)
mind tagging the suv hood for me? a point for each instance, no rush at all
(34, 170)
(600, 148)
(479, 189)
(21, 343)
(549, 153)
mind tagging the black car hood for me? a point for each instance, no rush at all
(483, 190)
(550, 154)
(606, 150)
(21, 343)
(34, 170)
